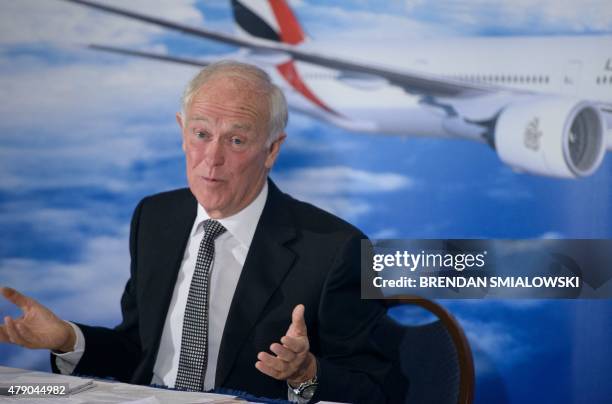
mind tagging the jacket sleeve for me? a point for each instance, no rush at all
(350, 369)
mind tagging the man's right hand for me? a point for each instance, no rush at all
(38, 328)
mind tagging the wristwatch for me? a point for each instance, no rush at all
(306, 389)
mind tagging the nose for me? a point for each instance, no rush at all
(214, 154)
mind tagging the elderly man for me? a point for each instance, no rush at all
(233, 283)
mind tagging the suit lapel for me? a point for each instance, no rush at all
(266, 265)
(170, 238)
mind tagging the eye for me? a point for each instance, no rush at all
(237, 141)
(201, 134)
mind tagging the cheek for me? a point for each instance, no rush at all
(193, 156)
(249, 163)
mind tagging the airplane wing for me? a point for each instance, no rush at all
(149, 55)
(411, 81)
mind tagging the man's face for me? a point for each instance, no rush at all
(224, 139)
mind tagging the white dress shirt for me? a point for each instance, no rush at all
(231, 250)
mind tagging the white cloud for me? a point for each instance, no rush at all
(518, 15)
(88, 290)
(333, 25)
(91, 96)
(348, 208)
(339, 189)
(507, 187)
(341, 179)
(387, 233)
(552, 235)
(27, 21)
(499, 342)
(83, 124)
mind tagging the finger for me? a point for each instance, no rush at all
(298, 324)
(263, 368)
(3, 335)
(25, 333)
(295, 344)
(12, 332)
(283, 352)
(272, 362)
(16, 298)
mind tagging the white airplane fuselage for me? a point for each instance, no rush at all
(573, 67)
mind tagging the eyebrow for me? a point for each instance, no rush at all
(240, 126)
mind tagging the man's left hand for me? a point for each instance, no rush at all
(293, 361)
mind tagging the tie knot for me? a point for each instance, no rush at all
(212, 229)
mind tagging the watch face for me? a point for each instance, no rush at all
(309, 391)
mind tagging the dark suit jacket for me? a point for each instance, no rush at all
(299, 254)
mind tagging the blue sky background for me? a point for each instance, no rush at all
(85, 135)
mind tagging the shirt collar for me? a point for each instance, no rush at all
(240, 225)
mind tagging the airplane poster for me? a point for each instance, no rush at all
(409, 119)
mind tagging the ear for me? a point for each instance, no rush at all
(274, 150)
(179, 120)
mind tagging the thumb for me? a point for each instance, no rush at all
(298, 324)
(15, 297)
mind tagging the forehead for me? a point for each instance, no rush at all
(232, 97)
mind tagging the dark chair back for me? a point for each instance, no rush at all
(431, 363)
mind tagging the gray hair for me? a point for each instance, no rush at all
(276, 100)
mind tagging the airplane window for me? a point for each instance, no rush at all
(546, 79)
(604, 80)
(597, 81)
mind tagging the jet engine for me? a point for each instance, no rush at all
(560, 137)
